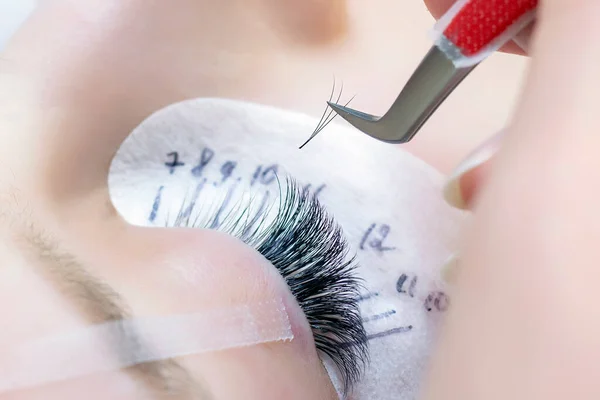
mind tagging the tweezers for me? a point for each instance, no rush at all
(433, 80)
(469, 32)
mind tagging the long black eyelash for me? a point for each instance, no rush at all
(309, 249)
(328, 114)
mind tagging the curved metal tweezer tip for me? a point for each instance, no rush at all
(434, 79)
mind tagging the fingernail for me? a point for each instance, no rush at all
(522, 38)
(452, 190)
(450, 269)
(522, 42)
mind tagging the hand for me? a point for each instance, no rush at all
(524, 323)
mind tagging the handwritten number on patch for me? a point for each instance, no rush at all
(406, 285)
(206, 156)
(266, 176)
(174, 163)
(438, 301)
(317, 191)
(378, 235)
(227, 170)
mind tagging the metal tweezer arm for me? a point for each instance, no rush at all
(434, 79)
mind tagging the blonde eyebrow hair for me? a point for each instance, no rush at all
(98, 302)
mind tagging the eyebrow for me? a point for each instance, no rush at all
(98, 302)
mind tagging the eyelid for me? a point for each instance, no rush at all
(124, 343)
(308, 249)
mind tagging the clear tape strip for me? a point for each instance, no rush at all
(124, 343)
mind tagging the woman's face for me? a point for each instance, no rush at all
(79, 77)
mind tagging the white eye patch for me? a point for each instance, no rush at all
(388, 203)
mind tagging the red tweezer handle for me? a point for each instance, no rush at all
(479, 22)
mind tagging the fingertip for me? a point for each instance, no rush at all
(450, 268)
(453, 195)
(463, 184)
(459, 192)
(470, 183)
(437, 8)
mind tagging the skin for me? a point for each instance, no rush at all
(76, 80)
(44, 112)
(158, 283)
(340, 40)
(522, 325)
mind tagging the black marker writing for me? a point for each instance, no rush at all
(206, 156)
(438, 301)
(216, 222)
(378, 237)
(255, 175)
(317, 191)
(174, 163)
(156, 204)
(400, 329)
(266, 176)
(227, 170)
(379, 316)
(403, 287)
(367, 296)
(184, 214)
(262, 210)
(320, 189)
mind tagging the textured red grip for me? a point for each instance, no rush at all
(479, 22)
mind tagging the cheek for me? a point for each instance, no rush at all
(114, 385)
(265, 372)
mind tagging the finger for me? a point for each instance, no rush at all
(530, 264)
(472, 181)
(461, 192)
(462, 189)
(464, 183)
(438, 8)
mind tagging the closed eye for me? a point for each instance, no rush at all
(308, 248)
